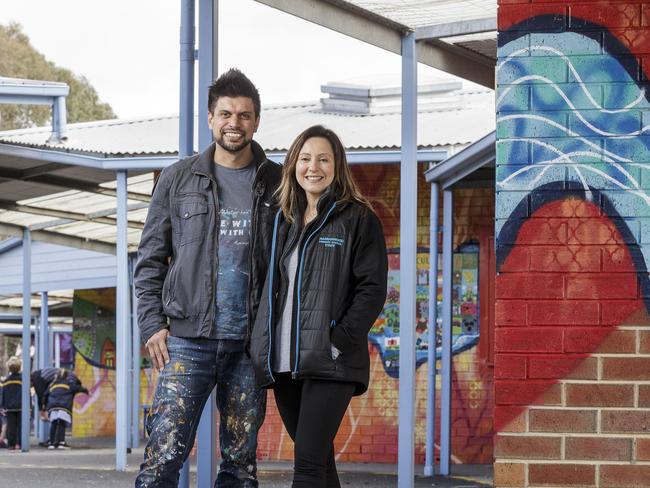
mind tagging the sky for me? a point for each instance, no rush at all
(129, 49)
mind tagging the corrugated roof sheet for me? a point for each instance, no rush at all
(279, 126)
(420, 13)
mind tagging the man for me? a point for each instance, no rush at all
(201, 266)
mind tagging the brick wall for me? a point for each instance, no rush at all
(572, 361)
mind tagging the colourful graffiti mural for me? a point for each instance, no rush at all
(384, 335)
(94, 343)
(572, 211)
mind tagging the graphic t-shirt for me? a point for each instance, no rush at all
(235, 203)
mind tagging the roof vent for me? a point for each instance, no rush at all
(383, 95)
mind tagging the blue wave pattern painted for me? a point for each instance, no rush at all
(570, 115)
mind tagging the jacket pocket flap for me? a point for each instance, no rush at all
(189, 210)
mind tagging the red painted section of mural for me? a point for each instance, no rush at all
(584, 286)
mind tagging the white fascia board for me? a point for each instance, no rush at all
(460, 28)
(35, 89)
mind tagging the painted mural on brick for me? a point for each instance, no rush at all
(93, 338)
(572, 215)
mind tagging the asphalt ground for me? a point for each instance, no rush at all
(87, 466)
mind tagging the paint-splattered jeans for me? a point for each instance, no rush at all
(195, 367)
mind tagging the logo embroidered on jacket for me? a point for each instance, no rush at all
(331, 241)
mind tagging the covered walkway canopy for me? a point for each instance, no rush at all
(74, 198)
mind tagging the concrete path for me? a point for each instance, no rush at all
(88, 467)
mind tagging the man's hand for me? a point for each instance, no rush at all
(157, 348)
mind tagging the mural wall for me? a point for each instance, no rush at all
(572, 213)
(94, 342)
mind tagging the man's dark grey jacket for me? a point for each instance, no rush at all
(177, 257)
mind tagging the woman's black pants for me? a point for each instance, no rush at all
(312, 411)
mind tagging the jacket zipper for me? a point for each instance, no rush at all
(301, 264)
(271, 281)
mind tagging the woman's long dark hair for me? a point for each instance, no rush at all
(292, 198)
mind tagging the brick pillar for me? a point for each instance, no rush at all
(572, 338)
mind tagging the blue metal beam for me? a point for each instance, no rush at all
(186, 122)
(408, 252)
(378, 157)
(26, 100)
(430, 454)
(33, 88)
(122, 324)
(43, 354)
(27, 340)
(447, 275)
(208, 21)
(59, 120)
(135, 343)
(136, 163)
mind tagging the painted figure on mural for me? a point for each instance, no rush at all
(325, 287)
(202, 262)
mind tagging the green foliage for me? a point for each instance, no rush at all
(19, 59)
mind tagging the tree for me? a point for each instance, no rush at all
(19, 59)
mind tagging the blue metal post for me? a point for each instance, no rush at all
(43, 356)
(447, 272)
(186, 122)
(135, 342)
(208, 15)
(59, 119)
(186, 114)
(430, 454)
(408, 252)
(122, 323)
(27, 339)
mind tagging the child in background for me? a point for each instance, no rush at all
(58, 399)
(11, 401)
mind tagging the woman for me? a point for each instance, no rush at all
(325, 287)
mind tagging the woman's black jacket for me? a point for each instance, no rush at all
(340, 289)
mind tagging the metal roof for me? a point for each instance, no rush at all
(450, 124)
(420, 13)
(456, 36)
(65, 194)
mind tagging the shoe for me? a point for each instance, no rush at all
(51, 446)
(62, 446)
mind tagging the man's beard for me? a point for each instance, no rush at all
(233, 148)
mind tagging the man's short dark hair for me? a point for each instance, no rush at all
(233, 83)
